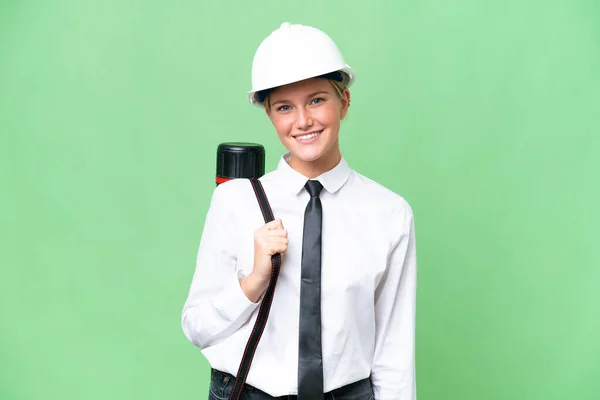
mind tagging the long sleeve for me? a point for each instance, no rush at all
(216, 306)
(393, 370)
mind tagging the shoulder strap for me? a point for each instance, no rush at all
(265, 307)
(263, 202)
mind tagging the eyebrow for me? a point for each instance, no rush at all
(308, 97)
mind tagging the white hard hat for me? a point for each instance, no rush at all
(293, 53)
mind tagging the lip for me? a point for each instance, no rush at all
(308, 141)
(306, 133)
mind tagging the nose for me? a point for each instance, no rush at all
(303, 119)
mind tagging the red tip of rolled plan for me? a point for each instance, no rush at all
(220, 180)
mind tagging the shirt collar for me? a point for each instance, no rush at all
(331, 180)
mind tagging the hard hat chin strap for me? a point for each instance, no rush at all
(335, 76)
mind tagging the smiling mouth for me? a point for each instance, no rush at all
(308, 136)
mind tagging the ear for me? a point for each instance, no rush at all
(345, 103)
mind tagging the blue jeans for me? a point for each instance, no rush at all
(221, 384)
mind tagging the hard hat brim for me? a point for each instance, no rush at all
(252, 98)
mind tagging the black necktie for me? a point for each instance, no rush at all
(310, 360)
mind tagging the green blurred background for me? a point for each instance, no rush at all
(482, 114)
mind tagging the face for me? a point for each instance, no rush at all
(306, 116)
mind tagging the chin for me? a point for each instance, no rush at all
(307, 155)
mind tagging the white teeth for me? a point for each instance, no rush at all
(309, 136)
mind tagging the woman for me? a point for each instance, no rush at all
(342, 321)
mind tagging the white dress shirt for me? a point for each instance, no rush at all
(368, 284)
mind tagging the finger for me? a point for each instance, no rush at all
(279, 248)
(278, 233)
(273, 224)
(277, 244)
(278, 240)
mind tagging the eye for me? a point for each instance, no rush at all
(283, 108)
(317, 100)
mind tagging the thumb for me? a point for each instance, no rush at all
(275, 224)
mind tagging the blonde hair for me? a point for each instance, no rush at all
(337, 86)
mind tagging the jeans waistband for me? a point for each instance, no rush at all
(360, 388)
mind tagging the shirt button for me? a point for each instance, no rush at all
(226, 379)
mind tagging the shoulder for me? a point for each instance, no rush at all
(377, 195)
(236, 194)
(385, 206)
(230, 193)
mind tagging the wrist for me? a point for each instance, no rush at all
(254, 285)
